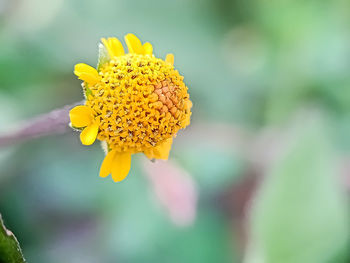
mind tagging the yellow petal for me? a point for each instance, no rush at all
(113, 46)
(170, 58)
(82, 67)
(89, 134)
(187, 120)
(161, 151)
(106, 167)
(188, 104)
(121, 166)
(86, 73)
(81, 116)
(149, 154)
(117, 47)
(134, 44)
(88, 78)
(148, 49)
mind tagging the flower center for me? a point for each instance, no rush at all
(141, 101)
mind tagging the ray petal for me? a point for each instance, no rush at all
(134, 44)
(81, 116)
(113, 46)
(89, 134)
(161, 151)
(106, 167)
(170, 58)
(86, 73)
(121, 165)
(148, 48)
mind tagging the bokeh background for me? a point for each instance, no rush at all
(262, 175)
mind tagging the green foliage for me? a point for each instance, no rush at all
(300, 212)
(10, 251)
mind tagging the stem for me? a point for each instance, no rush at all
(259, 150)
(54, 122)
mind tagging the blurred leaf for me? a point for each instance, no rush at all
(10, 251)
(205, 160)
(300, 213)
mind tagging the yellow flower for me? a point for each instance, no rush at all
(135, 103)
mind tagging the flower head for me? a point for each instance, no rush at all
(135, 103)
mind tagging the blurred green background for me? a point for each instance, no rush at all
(263, 172)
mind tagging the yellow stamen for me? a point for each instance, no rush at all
(134, 44)
(121, 165)
(81, 116)
(89, 134)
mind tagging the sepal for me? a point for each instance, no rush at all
(103, 56)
